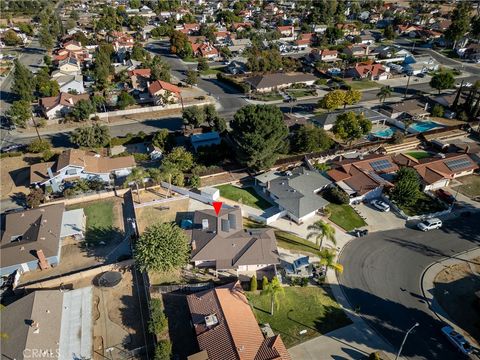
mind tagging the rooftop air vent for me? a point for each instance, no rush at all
(211, 320)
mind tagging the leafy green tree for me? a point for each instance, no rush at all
(192, 77)
(258, 133)
(180, 158)
(125, 100)
(327, 258)
(442, 79)
(195, 181)
(332, 34)
(219, 124)
(23, 81)
(162, 247)
(333, 100)
(74, 15)
(437, 110)
(309, 138)
(160, 69)
(350, 126)
(460, 24)
(95, 136)
(385, 91)
(163, 139)
(20, 112)
(10, 38)
(135, 4)
(44, 85)
(138, 52)
(193, 116)
(163, 350)
(351, 97)
(389, 32)
(82, 110)
(253, 283)
(264, 282)
(202, 64)
(158, 322)
(39, 145)
(103, 65)
(180, 45)
(98, 103)
(45, 38)
(137, 22)
(274, 289)
(407, 187)
(321, 230)
(35, 198)
(27, 29)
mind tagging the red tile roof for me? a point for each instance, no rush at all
(158, 85)
(140, 72)
(432, 170)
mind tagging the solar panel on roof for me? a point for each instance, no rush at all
(458, 164)
(380, 165)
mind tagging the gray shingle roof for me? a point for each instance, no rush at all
(273, 80)
(331, 117)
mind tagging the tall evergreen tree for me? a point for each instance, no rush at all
(23, 81)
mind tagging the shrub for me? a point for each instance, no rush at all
(374, 356)
(47, 155)
(163, 350)
(39, 145)
(10, 154)
(35, 198)
(304, 282)
(264, 283)
(158, 321)
(438, 110)
(195, 181)
(140, 157)
(336, 195)
(253, 283)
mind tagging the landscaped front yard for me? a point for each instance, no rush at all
(363, 84)
(297, 244)
(424, 205)
(470, 187)
(302, 308)
(299, 93)
(268, 97)
(247, 196)
(345, 217)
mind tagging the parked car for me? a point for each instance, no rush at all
(380, 205)
(13, 147)
(430, 224)
(421, 75)
(360, 232)
(445, 196)
(458, 340)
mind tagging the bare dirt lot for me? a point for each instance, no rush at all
(455, 289)
(15, 175)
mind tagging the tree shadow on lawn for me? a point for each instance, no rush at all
(100, 242)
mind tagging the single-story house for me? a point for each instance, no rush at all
(363, 178)
(369, 71)
(140, 78)
(270, 82)
(32, 238)
(221, 242)
(58, 106)
(413, 108)
(327, 120)
(237, 67)
(49, 324)
(163, 92)
(226, 327)
(75, 164)
(359, 51)
(295, 192)
(415, 65)
(205, 139)
(71, 84)
(71, 65)
(238, 46)
(437, 172)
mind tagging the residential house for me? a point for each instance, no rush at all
(73, 45)
(415, 65)
(238, 46)
(76, 164)
(49, 324)
(437, 172)
(391, 54)
(226, 327)
(241, 26)
(370, 71)
(122, 42)
(221, 242)
(348, 29)
(411, 108)
(140, 78)
(408, 29)
(270, 82)
(364, 178)
(367, 38)
(189, 29)
(328, 119)
(305, 40)
(163, 92)
(328, 55)
(205, 139)
(441, 25)
(32, 239)
(58, 106)
(71, 84)
(236, 67)
(295, 192)
(205, 50)
(359, 51)
(70, 66)
(286, 32)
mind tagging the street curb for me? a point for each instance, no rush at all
(435, 267)
(350, 309)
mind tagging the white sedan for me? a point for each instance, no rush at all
(380, 205)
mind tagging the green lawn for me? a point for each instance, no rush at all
(424, 205)
(297, 244)
(345, 217)
(471, 186)
(210, 72)
(362, 84)
(298, 93)
(100, 217)
(268, 97)
(302, 308)
(247, 196)
(419, 154)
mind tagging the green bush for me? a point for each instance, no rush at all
(374, 356)
(140, 157)
(163, 350)
(336, 196)
(438, 110)
(47, 155)
(11, 154)
(264, 283)
(39, 145)
(158, 321)
(304, 282)
(253, 283)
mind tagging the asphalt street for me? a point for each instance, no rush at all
(382, 278)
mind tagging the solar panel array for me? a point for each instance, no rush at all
(380, 165)
(458, 164)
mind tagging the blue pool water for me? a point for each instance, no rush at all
(384, 133)
(423, 126)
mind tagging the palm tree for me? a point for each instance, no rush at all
(274, 289)
(321, 230)
(137, 176)
(327, 258)
(385, 91)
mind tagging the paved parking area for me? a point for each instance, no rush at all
(378, 220)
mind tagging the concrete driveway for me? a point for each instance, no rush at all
(378, 220)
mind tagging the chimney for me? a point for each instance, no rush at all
(70, 100)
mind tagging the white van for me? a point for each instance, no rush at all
(430, 224)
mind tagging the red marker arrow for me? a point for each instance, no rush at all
(217, 205)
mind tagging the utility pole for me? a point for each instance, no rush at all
(404, 339)
(36, 128)
(406, 89)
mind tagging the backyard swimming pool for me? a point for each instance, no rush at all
(384, 133)
(423, 126)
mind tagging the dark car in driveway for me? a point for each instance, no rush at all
(445, 196)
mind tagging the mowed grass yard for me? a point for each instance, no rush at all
(362, 84)
(101, 220)
(419, 154)
(345, 217)
(247, 196)
(295, 243)
(470, 187)
(301, 308)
